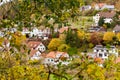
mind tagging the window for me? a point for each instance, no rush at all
(97, 50)
(107, 50)
(102, 50)
(105, 54)
(48, 60)
(100, 55)
(51, 59)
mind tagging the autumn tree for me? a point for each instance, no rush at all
(35, 13)
(72, 38)
(108, 36)
(63, 48)
(96, 38)
(54, 44)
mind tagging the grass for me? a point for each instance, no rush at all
(83, 22)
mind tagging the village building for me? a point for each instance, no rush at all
(36, 48)
(108, 17)
(102, 6)
(103, 52)
(56, 57)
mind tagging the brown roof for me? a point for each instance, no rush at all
(107, 14)
(33, 44)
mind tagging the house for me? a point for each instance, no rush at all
(36, 48)
(108, 16)
(86, 7)
(116, 28)
(36, 45)
(35, 54)
(103, 52)
(101, 6)
(35, 32)
(4, 1)
(56, 57)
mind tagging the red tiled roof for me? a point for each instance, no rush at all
(53, 54)
(32, 52)
(33, 44)
(101, 4)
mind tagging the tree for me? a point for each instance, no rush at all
(96, 38)
(41, 12)
(101, 21)
(108, 36)
(72, 51)
(72, 38)
(18, 39)
(54, 44)
(63, 48)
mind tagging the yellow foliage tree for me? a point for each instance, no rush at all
(118, 36)
(81, 34)
(18, 39)
(108, 36)
(54, 44)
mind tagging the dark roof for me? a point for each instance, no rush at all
(107, 14)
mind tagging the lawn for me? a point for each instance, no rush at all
(82, 22)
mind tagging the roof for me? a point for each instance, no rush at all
(108, 7)
(53, 54)
(101, 4)
(116, 28)
(32, 52)
(107, 14)
(33, 44)
(61, 30)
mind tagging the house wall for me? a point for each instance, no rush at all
(36, 56)
(108, 20)
(96, 19)
(104, 53)
(41, 47)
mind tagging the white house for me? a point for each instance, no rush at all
(40, 33)
(108, 17)
(96, 19)
(36, 48)
(101, 6)
(109, 7)
(103, 52)
(55, 57)
(36, 45)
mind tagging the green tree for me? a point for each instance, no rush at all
(101, 21)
